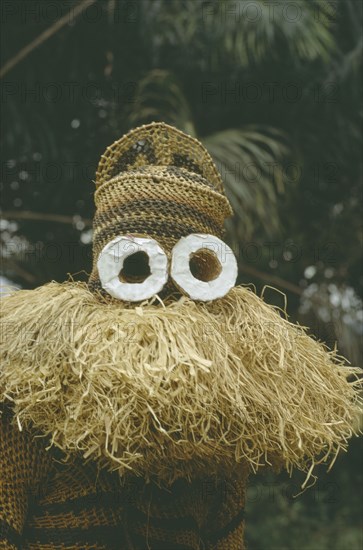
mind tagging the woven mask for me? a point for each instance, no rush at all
(159, 195)
(179, 389)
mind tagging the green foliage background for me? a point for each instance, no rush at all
(273, 90)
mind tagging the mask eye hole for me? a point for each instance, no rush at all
(132, 268)
(204, 265)
(136, 268)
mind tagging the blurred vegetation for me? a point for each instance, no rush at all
(273, 90)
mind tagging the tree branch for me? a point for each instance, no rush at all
(20, 271)
(40, 216)
(24, 52)
(274, 279)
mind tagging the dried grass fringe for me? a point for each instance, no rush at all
(173, 390)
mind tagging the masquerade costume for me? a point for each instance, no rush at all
(135, 425)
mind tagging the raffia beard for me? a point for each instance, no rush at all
(171, 390)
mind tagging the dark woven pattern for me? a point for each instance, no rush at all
(23, 466)
(157, 144)
(160, 183)
(48, 505)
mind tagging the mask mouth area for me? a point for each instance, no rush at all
(136, 268)
(204, 265)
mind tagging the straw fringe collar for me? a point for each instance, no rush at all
(173, 390)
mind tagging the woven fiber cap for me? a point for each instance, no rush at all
(156, 182)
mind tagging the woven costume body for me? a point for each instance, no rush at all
(45, 504)
(158, 410)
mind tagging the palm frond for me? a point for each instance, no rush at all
(249, 162)
(301, 29)
(244, 31)
(159, 97)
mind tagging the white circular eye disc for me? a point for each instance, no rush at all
(111, 261)
(185, 280)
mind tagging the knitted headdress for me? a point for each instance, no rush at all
(157, 182)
